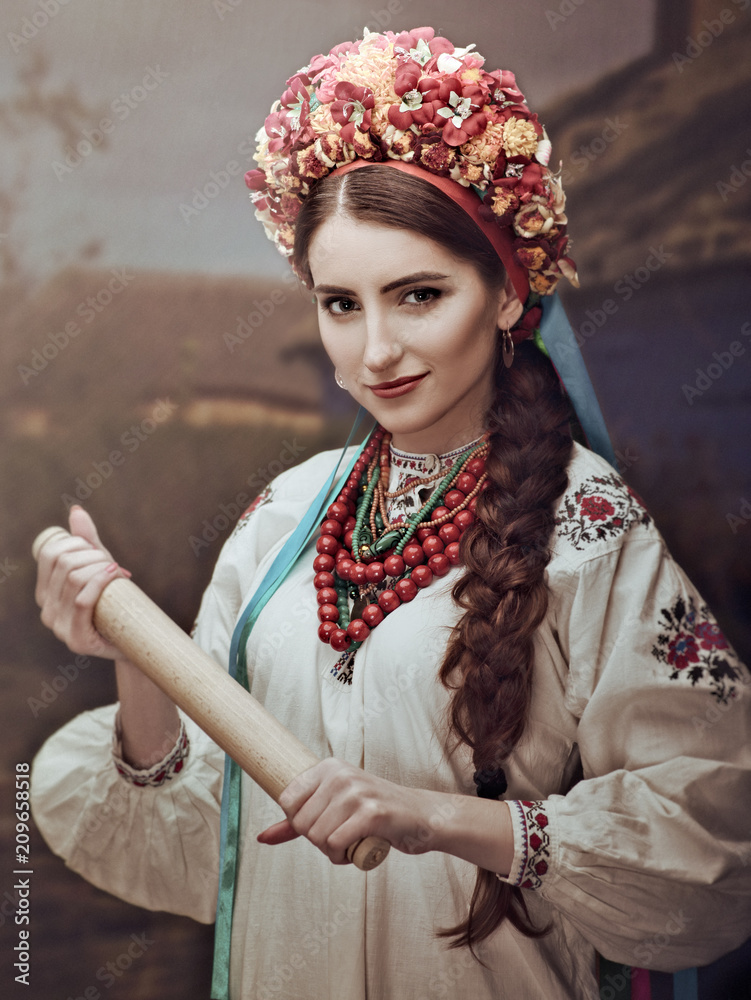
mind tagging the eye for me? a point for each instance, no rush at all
(339, 306)
(422, 296)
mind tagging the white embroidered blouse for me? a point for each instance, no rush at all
(629, 792)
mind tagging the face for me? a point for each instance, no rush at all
(410, 328)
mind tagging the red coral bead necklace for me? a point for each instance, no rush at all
(358, 547)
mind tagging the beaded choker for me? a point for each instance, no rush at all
(359, 548)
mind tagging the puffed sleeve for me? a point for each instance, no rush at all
(153, 838)
(648, 854)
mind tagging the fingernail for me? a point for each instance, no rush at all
(111, 568)
(76, 506)
(127, 572)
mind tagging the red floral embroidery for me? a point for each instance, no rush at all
(602, 507)
(690, 641)
(597, 508)
(537, 845)
(160, 773)
(710, 635)
(682, 651)
(263, 497)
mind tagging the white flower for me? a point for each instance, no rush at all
(544, 149)
(421, 52)
(462, 109)
(448, 63)
(411, 100)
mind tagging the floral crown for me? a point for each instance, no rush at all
(414, 98)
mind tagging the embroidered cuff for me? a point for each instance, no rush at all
(157, 774)
(531, 844)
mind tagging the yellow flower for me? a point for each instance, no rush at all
(533, 220)
(470, 76)
(374, 68)
(519, 137)
(322, 121)
(467, 173)
(543, 282)
(486, 145)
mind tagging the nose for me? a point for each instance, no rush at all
(383, 348)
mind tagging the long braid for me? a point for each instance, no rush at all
(489, 660)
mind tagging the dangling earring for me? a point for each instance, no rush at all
(508, 348)
(339, 380)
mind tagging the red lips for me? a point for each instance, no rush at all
(398, 387)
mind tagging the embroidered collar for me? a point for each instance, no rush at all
(426, 464)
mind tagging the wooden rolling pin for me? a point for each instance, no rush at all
(231, 716)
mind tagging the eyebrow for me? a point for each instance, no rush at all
(409, 279)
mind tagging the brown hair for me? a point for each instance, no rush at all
(490, 657)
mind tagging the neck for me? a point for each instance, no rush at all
(432, 443)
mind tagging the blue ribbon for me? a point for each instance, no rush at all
(560, 342)
(231, 789)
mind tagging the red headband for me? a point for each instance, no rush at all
(500, 237)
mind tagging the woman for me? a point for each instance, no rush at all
(486, 608)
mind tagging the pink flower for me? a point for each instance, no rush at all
(461, 109)
(418, 105)
(423, 45)
(352, 109)
(502, 84)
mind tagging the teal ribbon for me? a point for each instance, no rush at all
(562, 349)
(686, 985)
(238, 668)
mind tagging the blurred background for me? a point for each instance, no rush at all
(145, 316)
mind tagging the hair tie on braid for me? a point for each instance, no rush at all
(491, 783)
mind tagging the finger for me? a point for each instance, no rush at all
(74, 589)
(70, 572)
(49, 556)
(84, 604)
(279, 833)
(301, 788)
(81, 524)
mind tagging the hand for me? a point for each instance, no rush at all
(72, 574)
(335, 804)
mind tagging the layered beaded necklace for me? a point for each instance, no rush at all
(359, 547)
